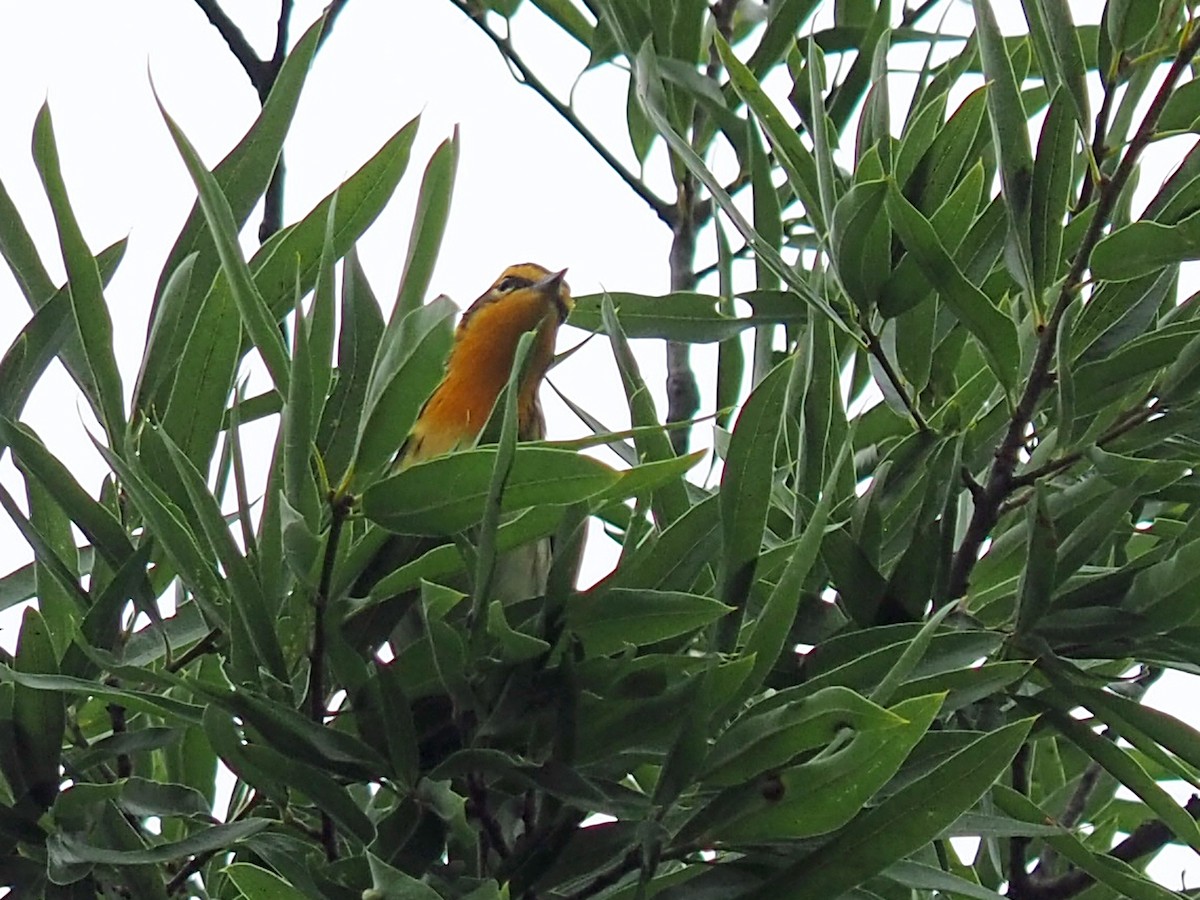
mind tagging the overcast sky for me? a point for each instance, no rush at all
(528, 189)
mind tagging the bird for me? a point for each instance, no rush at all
(525, 297)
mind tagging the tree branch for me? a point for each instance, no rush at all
(999, 484)
(875, 348)
(235, 41)
(1147, 838)
(1125, 423)
(504, 44)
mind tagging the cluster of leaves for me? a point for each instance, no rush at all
(993, 547)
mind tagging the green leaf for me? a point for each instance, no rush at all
(611, 620)
(1039, 575)
(907, 820)
(358, 343)
(761, 741)
(243, 176)
(38, 716)
(88, 305)
(746, 485)
(564, 14)
(769, 631)
(1010, 135)
(793, 157)
(1131, 21)
(64, 848)
(447, 495)
(257, 883)
(249, 603)
(407, 367)
(993, 329)
(429, 225)
(653, 445)
(1052, 184)
(650, 90)
(253, 309)
(824, 793)
(681, 316)
(1143, 248)
(1121, 877)
(861, 242)
(1125, 769)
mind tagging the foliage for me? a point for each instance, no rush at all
(983, 570)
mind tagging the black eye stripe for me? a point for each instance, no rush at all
(512, 282)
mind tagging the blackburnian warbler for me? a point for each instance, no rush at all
(526, 297)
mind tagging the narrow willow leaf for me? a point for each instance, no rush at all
(994, 330)
(914, 815)
(243, 176)
(249, 602)
(680, 316)
(448, 494)
(407, 367)
(1125, 880)
(650, 94)
(860, 242)
(619, 617)
(38, 716)
(821, 794)
(1143, 248)
(358, 343)
(746, 484)
(1128, 772)
(795, 159)
(429, 224)
(92, 318)
(1039, 576)
(251, 306)
(1053, 182)
(653, 445)
(1010, 134)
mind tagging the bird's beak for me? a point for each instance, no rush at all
(557, 288)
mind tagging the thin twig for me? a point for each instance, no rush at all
(875, 348)
(999, 484)
(1147, 838)
(234, 40)
(1072, 813)
(1018, 845)
(1099, 143)
(504, 44)
(1125, 423)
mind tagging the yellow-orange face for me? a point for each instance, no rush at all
(526, 297)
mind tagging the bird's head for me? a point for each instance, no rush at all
(525, 283)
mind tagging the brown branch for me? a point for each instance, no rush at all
(504, 44)
(1018, 845)
(1147, 838)
(683, 393)
(875, 348)
(1126, 422)
(999, 484)
(235, 41)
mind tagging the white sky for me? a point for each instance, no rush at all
(528, 188)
